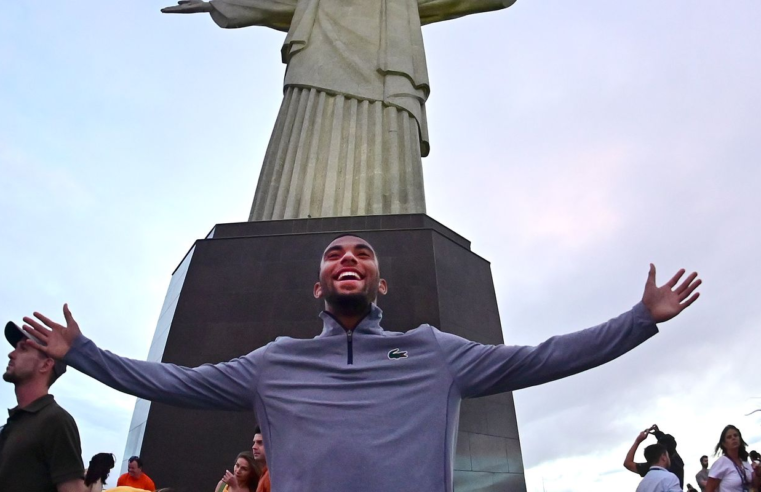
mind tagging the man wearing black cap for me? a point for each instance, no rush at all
(39, 445)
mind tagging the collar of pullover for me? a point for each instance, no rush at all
(370, 324)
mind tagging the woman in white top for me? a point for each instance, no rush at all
(98, 471)
(732, 472)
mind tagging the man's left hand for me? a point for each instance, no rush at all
(668, 300)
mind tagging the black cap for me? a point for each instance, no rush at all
(14, 335)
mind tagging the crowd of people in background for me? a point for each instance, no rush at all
(250, 473)
(736, 469)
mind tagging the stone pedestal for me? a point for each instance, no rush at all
(248, 283)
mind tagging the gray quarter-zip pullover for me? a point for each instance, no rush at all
(333, 408)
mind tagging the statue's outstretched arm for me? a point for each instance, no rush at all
(188, 7)
(441, 10)
(276, 14)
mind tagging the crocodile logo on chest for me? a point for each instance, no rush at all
(397, 354)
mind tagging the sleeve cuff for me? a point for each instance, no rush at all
(64, 477)
(644, 319)
(76, 346)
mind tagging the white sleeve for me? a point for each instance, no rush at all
(720, 468)
(673, 484)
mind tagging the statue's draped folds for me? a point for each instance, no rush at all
(352, 128)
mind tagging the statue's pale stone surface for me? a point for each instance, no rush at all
(352, 128)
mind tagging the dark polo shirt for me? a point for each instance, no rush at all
(39, 448)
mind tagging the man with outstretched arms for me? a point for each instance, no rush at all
(330, 406)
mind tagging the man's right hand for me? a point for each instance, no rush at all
(57, 338)
(642, 436)
(188, 7)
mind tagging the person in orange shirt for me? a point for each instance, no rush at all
(261, 459)
(135, 476)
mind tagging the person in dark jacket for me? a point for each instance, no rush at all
(667, 440)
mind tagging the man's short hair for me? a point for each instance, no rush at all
(258, 430)
(703, 457)
(58, 369)
(351, 234)
(138, 460)
(654, 452)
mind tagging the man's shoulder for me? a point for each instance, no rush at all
(662, 475)
(55, 409)
(722, 461)
(53, 413)
(148, 481)
(264, 483)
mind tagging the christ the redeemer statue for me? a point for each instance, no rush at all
(352, 128)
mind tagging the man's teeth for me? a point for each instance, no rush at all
(348, 275)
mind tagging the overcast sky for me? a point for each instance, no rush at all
(573, 142)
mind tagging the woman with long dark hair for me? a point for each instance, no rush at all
(98, 470)
(244, 478)
(732, 472)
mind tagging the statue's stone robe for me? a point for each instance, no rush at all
(352, 128)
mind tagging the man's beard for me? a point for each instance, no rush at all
(9, 377)
(348, 303)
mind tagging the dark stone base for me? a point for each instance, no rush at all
(251, 282)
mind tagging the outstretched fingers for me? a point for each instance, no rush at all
(686, 284)
(689, 301)
(668, 300)
(672, 283)
(686, 289)
(34, 328)
(35, 345)
(48, 322)
(67, 315)
(651, 274)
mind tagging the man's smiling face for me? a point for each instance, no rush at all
(349, 275)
